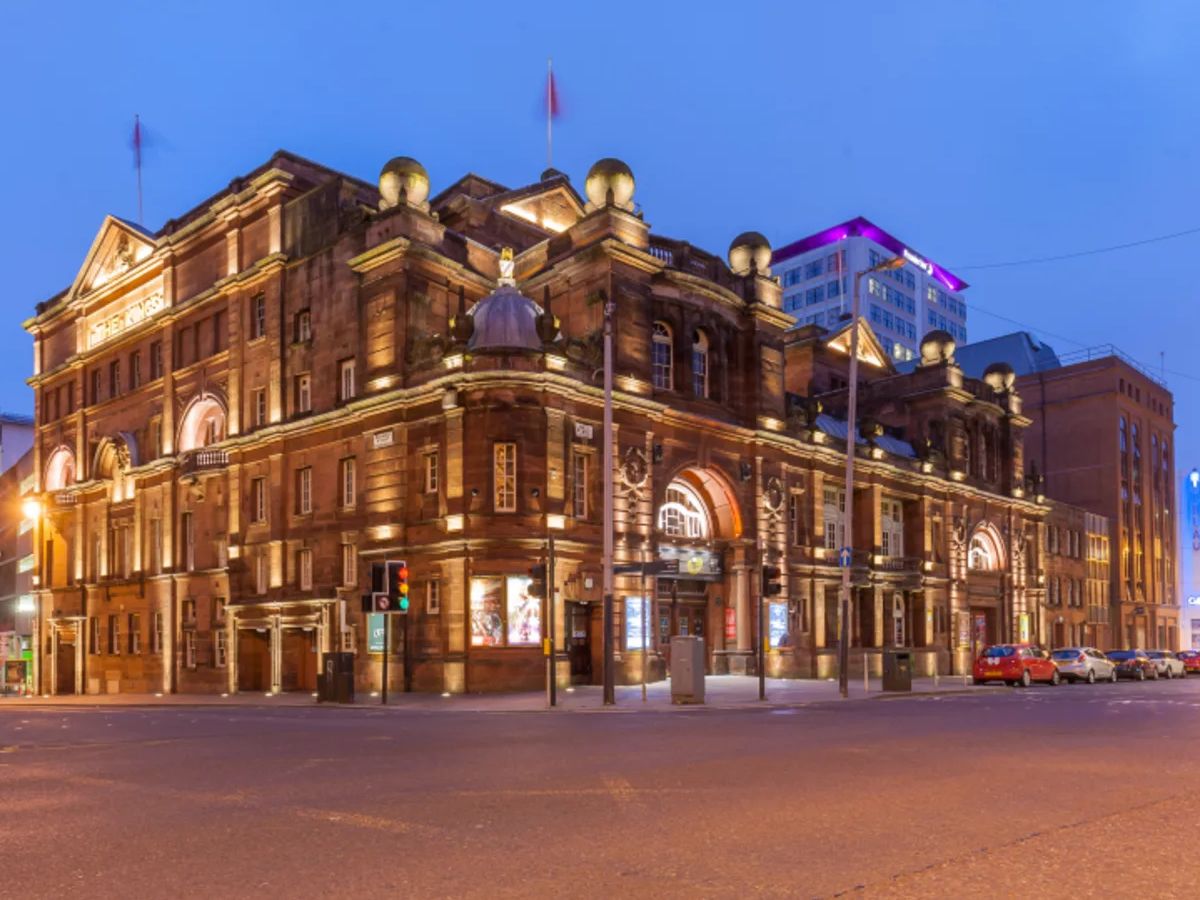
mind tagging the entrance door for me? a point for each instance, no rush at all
(579, 645)
(299, 669)
(66, 668)
(254, 660)
(979, 632)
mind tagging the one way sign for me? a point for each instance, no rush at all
(844, 557)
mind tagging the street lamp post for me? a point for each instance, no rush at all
(610, 697)
(851, 442)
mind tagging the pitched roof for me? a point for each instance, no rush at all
(1020, 349)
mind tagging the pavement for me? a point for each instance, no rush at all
(721, 692)
(1082, 790)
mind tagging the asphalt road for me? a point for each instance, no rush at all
(1074, 791)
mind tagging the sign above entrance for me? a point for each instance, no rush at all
(844, 557)
(692, 563)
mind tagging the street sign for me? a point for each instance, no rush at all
(658, 567)
(844, 557)
(381, 601)
(376, 633)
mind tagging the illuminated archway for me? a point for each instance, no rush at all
(985, 551)
(114, 457)
(60, 469)
(203, 423)
(698, 504)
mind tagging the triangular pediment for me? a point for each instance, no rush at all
(870, 350)
(119, 246)
(553, 206)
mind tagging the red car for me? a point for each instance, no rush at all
(1015, 664)
(1191, 661)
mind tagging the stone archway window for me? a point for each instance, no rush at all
(203, 424)
(700, 364)
(983, 555)
(60, 469)
(661, 361)
(684, 513)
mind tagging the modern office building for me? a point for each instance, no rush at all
(1189, 559)
(902, 305)
(18, 484)
(1102, 437)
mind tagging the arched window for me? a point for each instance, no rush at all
(984, 553)
(700, 364)
(60, 469)
(203, 424)
(661, 361)
(683, 514)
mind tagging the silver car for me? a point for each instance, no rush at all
(1084, 664)
(1167, 663)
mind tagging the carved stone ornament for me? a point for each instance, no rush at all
(634, 470)
(773, 494)
(958, 532)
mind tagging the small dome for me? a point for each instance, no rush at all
(609, 174)
(1000, 377)
(746, 247)
(403, 174)
(506, 321)
(937, 347)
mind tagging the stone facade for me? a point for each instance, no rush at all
(308, 374)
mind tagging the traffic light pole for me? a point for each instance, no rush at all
(610, 694)
(762, 637)
(387, 651)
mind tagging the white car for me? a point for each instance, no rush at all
(1167, 663)
(1084, 664)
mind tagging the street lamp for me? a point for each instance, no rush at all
(851, 441)
(31, 508)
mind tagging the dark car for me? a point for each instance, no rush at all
(1134, 665)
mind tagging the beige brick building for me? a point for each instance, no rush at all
(308, 373)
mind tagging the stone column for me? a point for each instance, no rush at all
(231, 650)
(741, 591)
(880, 618)
(79, 651)
(55, 649)
(276, 654)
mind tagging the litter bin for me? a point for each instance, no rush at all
(687, 669)
(335, 684)
(897, 670)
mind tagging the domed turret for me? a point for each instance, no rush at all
(937, 347)
(506, 321)
(750, 247)
(405, 180)
(609, 176)
(1000, 377)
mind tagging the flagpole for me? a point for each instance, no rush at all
(137, 159)
(549, 112)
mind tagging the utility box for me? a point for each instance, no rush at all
(335, 683)
(687, 669)
(897, 670)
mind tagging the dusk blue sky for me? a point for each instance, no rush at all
(978, 132)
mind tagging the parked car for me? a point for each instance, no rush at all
(1168, 665)
(1084, 664)
(1015, 664)
(1133, 664)
(1191, 661)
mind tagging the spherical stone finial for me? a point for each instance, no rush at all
(1000, 377)
(403, 176)
(937, 347)
(750, 247)
(609, 175)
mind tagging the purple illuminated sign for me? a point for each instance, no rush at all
(861, 227)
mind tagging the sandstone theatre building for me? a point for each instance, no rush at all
(308, 373)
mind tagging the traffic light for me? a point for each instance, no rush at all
(397, 585)
(771, 585)
(389, 587)
(537, 581)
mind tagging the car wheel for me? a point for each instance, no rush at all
(1055, 678)
(1026, 679)
(1170, 673)
(1113, 677)
(1156, 674)
(1091, 676)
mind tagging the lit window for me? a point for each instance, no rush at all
(304, 491)
(430, 475)
(260, 407)
(303, 393)
(258, 500)
(258, 317)
(135, 633)
(579, 486)
(433, 598)
(302, 331)
(347, 483)
(661, 366)
(221, 649)
(683, 514)
(504, 477)
(982, 556)
(189, 649)
(346, 380)
(700, 364)
(349, 565)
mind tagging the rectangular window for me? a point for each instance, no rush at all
(579, 485)
(187, 540)
(304, 570)
(892, 530)
(114, 378)
(796, 519)
(259, 403)
(156, 360)
(94, 636)
(135, 370)
(347, 386)
(258, 500)
(303, 393)
(302, 327)
(219, 610)
(347, 487)
(220, 649)
(260, 572)
(114, 635)
(188, 613)
(184, 345)
(156, 636)
(504, 477)
(304, 491)
(258, 316)
(155, 548)
(96, 382)
(189, 649)
(835, 524)
(430, 467)
(349, 565)
(433, 598)
(218, 331)
(135, 633)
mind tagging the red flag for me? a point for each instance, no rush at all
(552, 108)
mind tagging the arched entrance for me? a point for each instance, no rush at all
(986, 563)
(698, 524)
